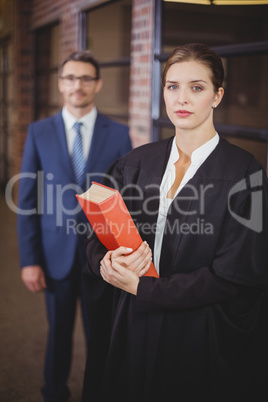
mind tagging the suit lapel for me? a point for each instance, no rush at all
(98, 142)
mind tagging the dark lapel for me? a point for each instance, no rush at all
(152, 173)
(182, 205)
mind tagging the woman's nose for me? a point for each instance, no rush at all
(182, 96)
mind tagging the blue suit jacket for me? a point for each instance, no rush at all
(50, 219)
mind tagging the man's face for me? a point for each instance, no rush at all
(78, 94)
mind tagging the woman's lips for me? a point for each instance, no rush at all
(183, 113)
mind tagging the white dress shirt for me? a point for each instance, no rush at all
(198, 156)
(86, 130)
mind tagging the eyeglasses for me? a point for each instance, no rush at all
(85, 80)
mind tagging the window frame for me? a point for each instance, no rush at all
(47, 70)
(116, 62)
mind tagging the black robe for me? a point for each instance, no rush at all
(199, 332)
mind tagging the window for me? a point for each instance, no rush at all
(47, 97)
(109, 40)
(242, 43)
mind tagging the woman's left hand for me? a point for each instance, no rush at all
(118, 276)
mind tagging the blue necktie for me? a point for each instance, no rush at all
(78, 155)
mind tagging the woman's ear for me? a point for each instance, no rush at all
(218, 97)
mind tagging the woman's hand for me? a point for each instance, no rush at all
(138, 261)
(123, 270)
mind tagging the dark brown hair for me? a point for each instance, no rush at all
(201, 53)
(81, 55)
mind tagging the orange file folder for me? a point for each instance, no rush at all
(110, 219)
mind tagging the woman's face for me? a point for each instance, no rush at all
(190, 96)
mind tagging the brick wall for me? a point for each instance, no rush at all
(142, 42)
(23, 72)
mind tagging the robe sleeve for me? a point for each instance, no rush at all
(187, 291)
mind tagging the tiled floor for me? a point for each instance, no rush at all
(23, 327)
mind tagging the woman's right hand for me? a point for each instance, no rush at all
(138, 261)
(122, 268)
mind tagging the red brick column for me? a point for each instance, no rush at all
(23, 78)
(141, 71)
(64, 11)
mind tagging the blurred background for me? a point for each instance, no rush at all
(131, 40)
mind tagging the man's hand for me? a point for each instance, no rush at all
(33, 278)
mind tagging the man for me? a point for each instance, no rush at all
(62, 155)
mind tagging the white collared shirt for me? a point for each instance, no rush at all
(87, 128)
(198, 156)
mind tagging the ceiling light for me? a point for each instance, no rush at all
(222, 2)
(206, 2)
(239, 2)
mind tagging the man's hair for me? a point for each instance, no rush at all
(81, 55)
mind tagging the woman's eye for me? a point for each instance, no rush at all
(197, 88)
(172, 87)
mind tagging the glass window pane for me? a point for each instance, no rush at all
(245, 101)
(42, 49)
(113, 98)
(109, 38)
(47, 61)
(54, 46)
(212, 25)
(42, 89)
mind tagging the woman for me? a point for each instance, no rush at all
(200, 203)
